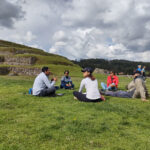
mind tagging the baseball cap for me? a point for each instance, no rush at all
(88, 69)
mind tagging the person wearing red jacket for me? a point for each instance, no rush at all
(112, 82)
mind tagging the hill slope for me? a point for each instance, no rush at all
(24, 60)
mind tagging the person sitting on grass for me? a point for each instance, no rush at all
(136, 89)
(112, 82)
(66, 81)
(91, 85)
(42, 85)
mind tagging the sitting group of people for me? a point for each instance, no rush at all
(135, 89)
(44, 87)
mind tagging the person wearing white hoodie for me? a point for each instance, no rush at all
(91, 85)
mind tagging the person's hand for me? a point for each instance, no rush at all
(103, 98)
(55, 79)
(67, 84)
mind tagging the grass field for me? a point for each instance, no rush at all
(62, 123)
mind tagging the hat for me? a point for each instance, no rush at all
(87, 69)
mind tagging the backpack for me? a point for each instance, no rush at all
(30, 91)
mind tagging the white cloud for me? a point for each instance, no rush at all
(29, 36)
(84, 29)
(59, 35)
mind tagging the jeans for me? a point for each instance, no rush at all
(104, 87)
(66, 87)
(122, 94)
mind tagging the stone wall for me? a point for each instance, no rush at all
(6, 53)
(19, 71)
(25, 71)
(2, 59)
(4, 70)
(101, 71)
(19, 60)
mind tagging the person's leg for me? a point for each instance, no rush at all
(67, 87)
(82, 97)
(56, 87)
(62, 85)
(109, 88)
(104, 86)
(72, 86)
(112, 88)
(110, 93)
(122, 94)
(47, 92)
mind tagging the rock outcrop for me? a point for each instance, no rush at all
(101, 71)
(19, 71)
(8, 60)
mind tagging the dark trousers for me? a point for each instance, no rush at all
(82, 97)
(66, 87)
(122, 94)
(47, 92)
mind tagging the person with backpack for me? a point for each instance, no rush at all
(42, 85)
(91, 85)
(66, 81)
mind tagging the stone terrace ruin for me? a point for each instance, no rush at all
(17, 59)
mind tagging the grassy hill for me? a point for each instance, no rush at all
(56, 63)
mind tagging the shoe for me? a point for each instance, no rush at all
(145, 100)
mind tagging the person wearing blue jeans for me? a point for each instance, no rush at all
(66, 81)
(110, 88)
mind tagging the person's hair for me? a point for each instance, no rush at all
(113, 72)
(66, 71)
(91, 77)
(44, 69)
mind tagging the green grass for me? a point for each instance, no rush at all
(62, 123)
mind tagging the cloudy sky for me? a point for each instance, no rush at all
(110, 29)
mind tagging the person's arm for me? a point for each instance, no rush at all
(47, 82)
(108, 81)
(81, 86)
(63, 81)
(70, 81)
